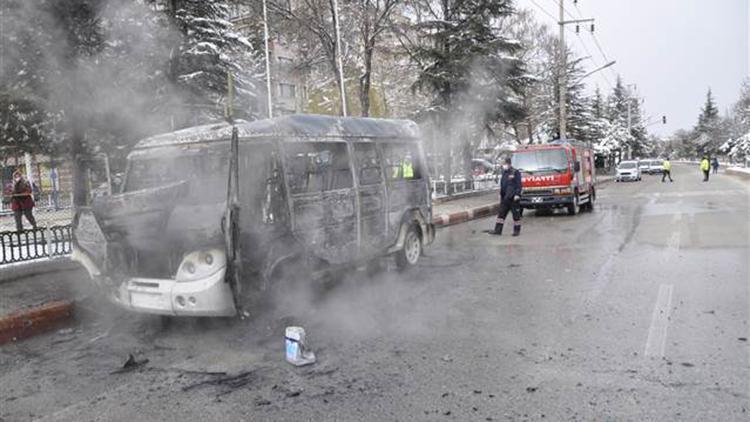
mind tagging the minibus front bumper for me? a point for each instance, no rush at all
(206, 296)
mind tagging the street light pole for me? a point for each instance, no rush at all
(612, 63)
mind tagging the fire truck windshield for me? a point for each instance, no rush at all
(540, 160)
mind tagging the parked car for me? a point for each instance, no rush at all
(628, 171)
(644, 166)
(656, 166)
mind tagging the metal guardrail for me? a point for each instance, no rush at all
(42, 242)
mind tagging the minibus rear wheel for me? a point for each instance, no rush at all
(409, 255)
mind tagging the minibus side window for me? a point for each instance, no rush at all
(317, 166)
(368, 164)
(401, 161)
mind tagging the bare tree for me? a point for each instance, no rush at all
(366, 21)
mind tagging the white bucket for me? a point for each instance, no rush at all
(296, 353)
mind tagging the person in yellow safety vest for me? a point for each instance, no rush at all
(705, 167)
(666, 167)
(406, 169)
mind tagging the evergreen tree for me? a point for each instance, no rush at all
(208, 50)
(709, 116)
(578, 113)
(617, 104)
(741, 110)
(469, 69)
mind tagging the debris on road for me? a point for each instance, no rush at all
(531, 389)
(262, 402)
(130, 365)
(232, 382)
(296, 352)
(742, 338)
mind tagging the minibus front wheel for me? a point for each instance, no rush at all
(409, 255)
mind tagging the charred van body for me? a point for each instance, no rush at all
(212, 214)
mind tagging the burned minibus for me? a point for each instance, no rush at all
(210, 216)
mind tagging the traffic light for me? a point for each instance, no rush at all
(664, 120)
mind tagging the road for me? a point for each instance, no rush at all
(636, 311)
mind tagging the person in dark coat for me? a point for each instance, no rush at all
(715, 165)
(510, 197)
(22, 202)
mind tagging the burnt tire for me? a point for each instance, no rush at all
(408, 256)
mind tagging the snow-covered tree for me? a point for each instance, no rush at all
(469, 68)
(206, 52)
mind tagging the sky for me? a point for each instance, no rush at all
(672, 50)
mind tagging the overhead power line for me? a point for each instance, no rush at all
(596, 42)
(580, 39)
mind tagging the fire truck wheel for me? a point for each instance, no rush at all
(575, 207)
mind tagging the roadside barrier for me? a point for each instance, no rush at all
(42, 242)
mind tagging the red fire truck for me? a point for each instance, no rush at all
(559, 174)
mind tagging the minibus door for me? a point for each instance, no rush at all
(371, 198)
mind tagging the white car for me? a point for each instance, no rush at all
(628, 171)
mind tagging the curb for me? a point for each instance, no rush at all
(28, 322)
(36, 267)
(464, 216)
(742, 174)
(443, 220)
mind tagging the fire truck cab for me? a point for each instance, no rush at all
(559, 174)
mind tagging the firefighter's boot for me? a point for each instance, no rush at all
(498, 229)
(516, 230)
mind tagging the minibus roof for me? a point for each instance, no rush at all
(294, 127)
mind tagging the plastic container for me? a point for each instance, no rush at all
(296, 352)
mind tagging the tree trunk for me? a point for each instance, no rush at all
(80, 187)
(365, 80)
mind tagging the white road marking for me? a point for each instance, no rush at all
(673, 244)
(657, 332)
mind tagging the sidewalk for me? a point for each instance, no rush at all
(465, 209)
(40, 302)
(739, 171)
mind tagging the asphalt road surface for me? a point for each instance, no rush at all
(636, 311)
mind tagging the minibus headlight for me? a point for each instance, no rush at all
(190, 267)
(201, 264)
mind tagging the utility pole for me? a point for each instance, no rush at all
(564, 68)
(630, 124)
(630, 119)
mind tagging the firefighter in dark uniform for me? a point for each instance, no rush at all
(510, 197)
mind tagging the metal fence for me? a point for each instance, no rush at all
(442, 188)
(27, 245)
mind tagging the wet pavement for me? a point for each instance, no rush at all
(636, 311)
